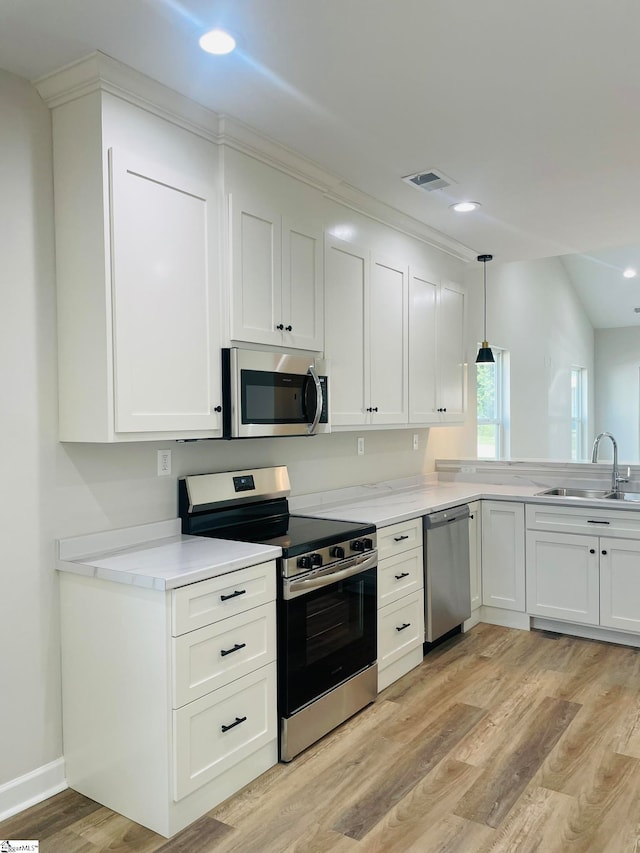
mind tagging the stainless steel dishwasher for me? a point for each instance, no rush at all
(447, 596)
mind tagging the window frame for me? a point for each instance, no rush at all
(500, 419)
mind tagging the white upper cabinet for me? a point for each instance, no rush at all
(437, 370)
(347, 332)
(388, 322)
(366, 336)
(276, 275)
(163, 362)
(137, 252)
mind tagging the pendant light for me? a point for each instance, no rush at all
(485, 355)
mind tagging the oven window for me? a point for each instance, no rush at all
(325, 637)
(274, 398)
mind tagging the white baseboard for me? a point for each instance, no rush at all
(608, 635)
(32, 788)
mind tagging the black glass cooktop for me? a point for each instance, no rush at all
(295, 534)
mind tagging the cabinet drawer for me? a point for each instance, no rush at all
(202, 603)
(400, 628)
(214, 733)
(399, 537)
(213, 656)
(398, 576)
(569, 519)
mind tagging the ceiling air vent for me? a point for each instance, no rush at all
(428, 181)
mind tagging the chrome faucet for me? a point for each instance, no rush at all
(616, 479)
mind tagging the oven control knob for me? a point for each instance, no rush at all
(337, 551)
(316, 560)
(362, 545)
(304, 563)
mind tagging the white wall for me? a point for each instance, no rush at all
(534, 313)
(617, 390)
(53, 490)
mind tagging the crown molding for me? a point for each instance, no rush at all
(98, 72)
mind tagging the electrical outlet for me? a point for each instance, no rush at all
(361, 447)
(164, 463)
(416, 441)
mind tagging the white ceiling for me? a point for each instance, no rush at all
(531, 107)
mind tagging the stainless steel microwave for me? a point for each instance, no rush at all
(273, 393)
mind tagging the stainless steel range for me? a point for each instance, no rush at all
(326, 609)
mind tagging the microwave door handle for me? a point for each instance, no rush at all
(313, 426)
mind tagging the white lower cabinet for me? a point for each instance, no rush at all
(400, 600)
(475, 553)
(575, 575)
(620, 584)
(169, 698)
(563, 577)
(503, 566)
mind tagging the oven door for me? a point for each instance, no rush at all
(327, 630)
(271, 394)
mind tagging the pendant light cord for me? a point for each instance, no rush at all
(484, 268)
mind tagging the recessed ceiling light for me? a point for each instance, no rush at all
(630, 273)
(217, 41)
(465, 206)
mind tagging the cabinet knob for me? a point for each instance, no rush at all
(592, 550)
(375, 409)
(604, 553)
(280, 327)
(217, 408)
(289, 328)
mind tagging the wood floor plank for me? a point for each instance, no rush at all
(45, 819)
(521, 698)
(491, 798)
(538, 824)
(106, 830)
(378, 769)
(607, 812)
(596, 728)
(203, 835)
(411, 820)
(424, 755)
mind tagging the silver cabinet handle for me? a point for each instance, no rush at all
(313, 426)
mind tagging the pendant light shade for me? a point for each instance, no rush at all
(485, 355)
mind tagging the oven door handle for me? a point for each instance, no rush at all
(316, 580)
(313, 426)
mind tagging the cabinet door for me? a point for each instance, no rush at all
(302, 284)
(423, 301)
(503, 583)
(347, 332)
(475, 553)
(256, 272)
(563, 577)
(451, 355)
(165, 332)
(388, 339)
(620, 584)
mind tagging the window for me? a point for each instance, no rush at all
(578, 412)
(492, 407)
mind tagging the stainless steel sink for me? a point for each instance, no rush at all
(580, 493)
(634, 497)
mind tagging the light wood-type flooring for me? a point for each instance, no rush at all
(502, 740)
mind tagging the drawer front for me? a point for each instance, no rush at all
(202, 603)
(596, 522)
(399, 538)
(398, 576)
(213, 656)
(400, 628)
(214, 733)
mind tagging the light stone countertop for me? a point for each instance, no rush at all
(383, 508)
(158, 556)
(155, 556)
